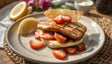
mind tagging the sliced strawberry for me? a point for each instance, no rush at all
(71, 50)
(81, 47)
(66, 18)
(58, 19)
(47, 36)
(59, 53)
(37, 34)
(59, 37)
(35, 45)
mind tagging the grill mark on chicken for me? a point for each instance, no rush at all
(76, 27)
(74, 30)
(78, 24)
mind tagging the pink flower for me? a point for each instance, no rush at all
(42, 4)
(29, 2)
(38, 4)
(46, 4)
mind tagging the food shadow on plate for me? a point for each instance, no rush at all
(91, 42)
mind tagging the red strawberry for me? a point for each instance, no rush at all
(59, 53)
(58, 19)
(35, 45)
(71, 50)
(67, 18)
(81, 47)
(59, 37)
(37, 34)
(47, 36)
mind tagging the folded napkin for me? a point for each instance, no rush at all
(4, 20)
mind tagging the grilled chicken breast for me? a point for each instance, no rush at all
(74, 30)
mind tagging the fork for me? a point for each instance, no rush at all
(91, 43)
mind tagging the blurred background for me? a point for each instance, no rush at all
(102, 6)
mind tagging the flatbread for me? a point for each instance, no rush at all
(51, 13)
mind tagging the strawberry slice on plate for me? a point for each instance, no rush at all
(81, 47)
(67, 18)
(47, 36)
(59, 53)
(71, 50)
(35, 45)
(37, 34)
(58, 19)
(59, 37)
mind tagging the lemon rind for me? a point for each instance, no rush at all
(21, 13)
(20, 30)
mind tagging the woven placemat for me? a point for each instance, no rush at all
(104, 56)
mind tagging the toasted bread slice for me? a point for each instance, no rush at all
(51, 13)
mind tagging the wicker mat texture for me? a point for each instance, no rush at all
(104, 56)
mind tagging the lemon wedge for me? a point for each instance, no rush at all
(30, 10)
(18, 11)
(28, 25)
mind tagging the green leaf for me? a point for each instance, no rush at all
(50, 8)
(39, 10)
(33, 8)
(54, 5)
(66, 6)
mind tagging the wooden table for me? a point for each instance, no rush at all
(4, 59)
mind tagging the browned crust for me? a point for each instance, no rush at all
(74, 30)
(51, 13)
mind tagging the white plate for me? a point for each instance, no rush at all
(94, 40)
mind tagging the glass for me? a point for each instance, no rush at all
(104, 6)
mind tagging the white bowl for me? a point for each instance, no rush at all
(83, 5)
